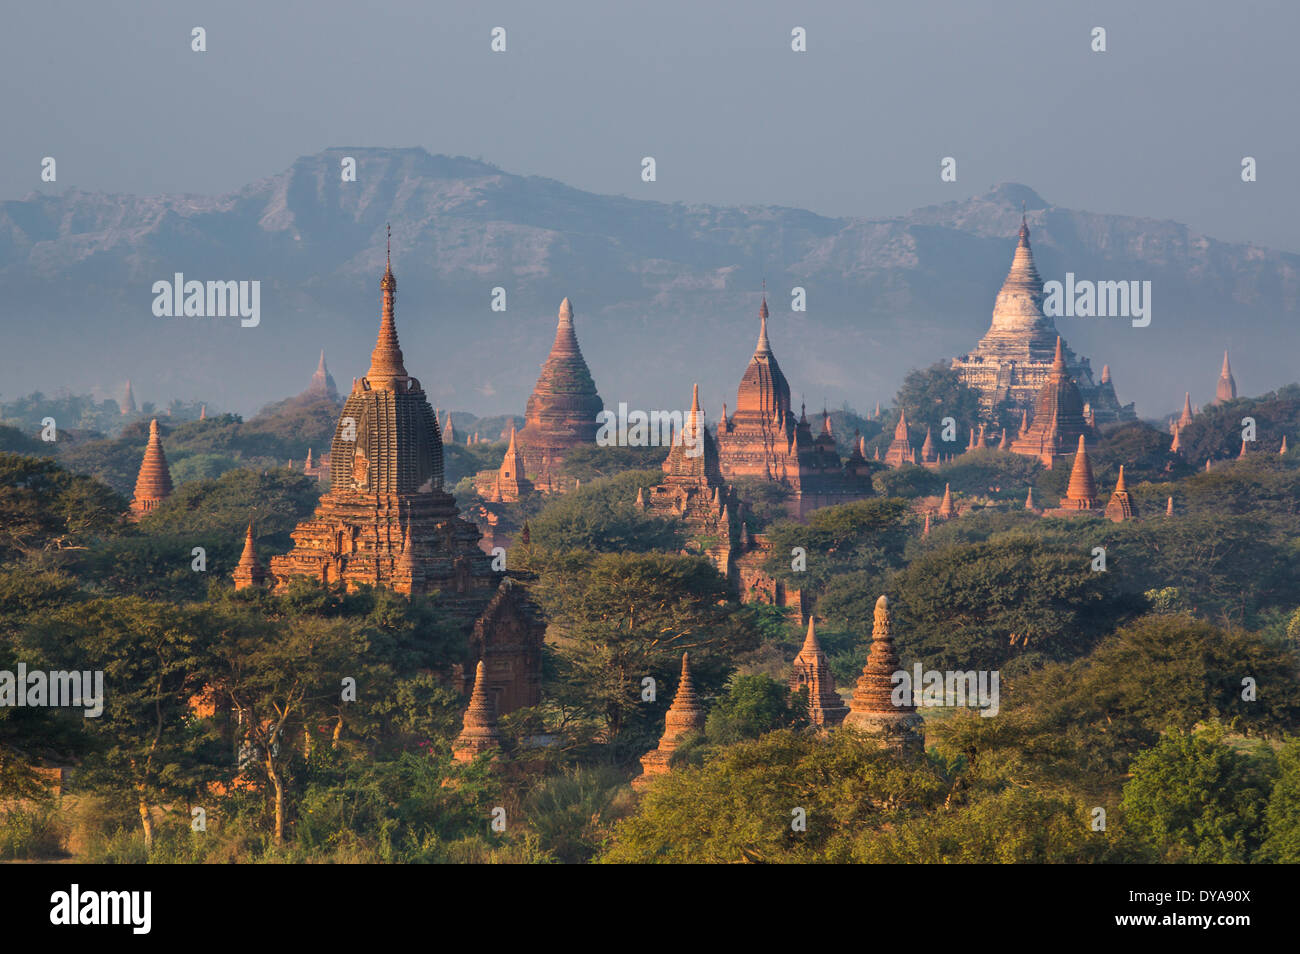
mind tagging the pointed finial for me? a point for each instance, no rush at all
(1119, 484)
(389, 257)
(1058, 362)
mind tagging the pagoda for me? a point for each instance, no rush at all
(763, 439)
(1120, 507)
(873, 711)
(1226, 388)
(250, 571)
(322, 387)
(900, 448)
(1015, 358)
(479, 733)
(812, 673)
(1081, 493)
(153, 485)
(693, 491)
(386, 519)
(1058, 420)
(127, 404)
(685, 716)
(563, 410)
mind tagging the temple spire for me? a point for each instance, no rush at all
(479, 732)
(764, 346)
(1082, 491)
(812, 673)
(1226, 389)
(250, 571)
(387, 368)
(154, 482)
(684, 716)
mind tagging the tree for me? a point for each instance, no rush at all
(1282, 816)
(980, 605)
(786, 797)
(151, 659)
(1194, 799)
(930, 395)
(603, 516)
(619, 618)
(752, 706)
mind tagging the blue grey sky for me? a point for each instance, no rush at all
(1156, 126)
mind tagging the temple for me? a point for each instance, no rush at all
(322, 386)
(1121, 506)
(873, 711)
(1058, 421)
(1015, 357)
(762, 439)
(562, 412)
(812, 674)
(127, 404)
(1226, 388)
(153, 484)
(386, 520)
(685, 716)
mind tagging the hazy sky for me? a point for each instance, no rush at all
(857, 125)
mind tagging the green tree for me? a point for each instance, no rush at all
(752, 706)
(1194, 799)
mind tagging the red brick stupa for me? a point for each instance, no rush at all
(250, 571)
(812, 673)
(873, 711)
(479, 733)
(153, 485)
(1058, 420)
(685, 715)
(562, 410)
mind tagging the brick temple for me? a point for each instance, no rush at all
(386, 520)
(763, 439)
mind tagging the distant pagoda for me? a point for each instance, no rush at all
(873, 711)
(1226, 389)
(322, 386)
(812, 673)
(153, 484)
(900, 448)
(386, 519)
(562, 412)
(1121, 506)
(1081, 493)
(250, 571)
(127, 404)
(1058, 421)
(1015, 357)
(763, 439)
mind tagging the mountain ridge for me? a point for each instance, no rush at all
(676, 282)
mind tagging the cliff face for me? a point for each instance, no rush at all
(672, 282)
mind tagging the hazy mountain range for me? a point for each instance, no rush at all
(664, 294)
